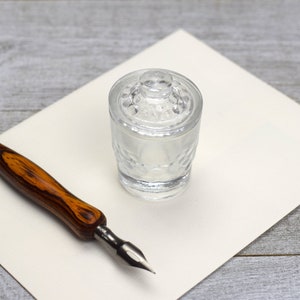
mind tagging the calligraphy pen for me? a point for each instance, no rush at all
(86, 221)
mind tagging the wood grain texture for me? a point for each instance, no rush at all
(241, 279)
(37, 185)
(50, 48)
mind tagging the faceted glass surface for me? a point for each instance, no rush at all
(155, 123)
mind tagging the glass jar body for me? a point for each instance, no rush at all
(154, 168)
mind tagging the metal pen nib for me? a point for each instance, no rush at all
(130, 253)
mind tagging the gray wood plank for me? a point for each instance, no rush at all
(11, 289)
(255, 278)
(259, 278)
(8, 119)
(282, 239)
(50, 48)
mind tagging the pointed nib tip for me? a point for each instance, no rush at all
(145, 265)
(153, 272)
(129, 252)
(134, 256)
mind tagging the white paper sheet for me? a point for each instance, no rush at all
(244, 179)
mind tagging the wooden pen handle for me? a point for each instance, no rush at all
(38, 185)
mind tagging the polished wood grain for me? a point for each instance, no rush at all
(36, 184)
(50, 48)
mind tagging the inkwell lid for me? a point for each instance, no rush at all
(155, 102)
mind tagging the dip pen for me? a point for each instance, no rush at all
(86, 221)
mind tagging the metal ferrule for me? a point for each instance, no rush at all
(104, 233)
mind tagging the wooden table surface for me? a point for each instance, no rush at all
(50, 48)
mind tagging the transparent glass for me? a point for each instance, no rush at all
(155, 116)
